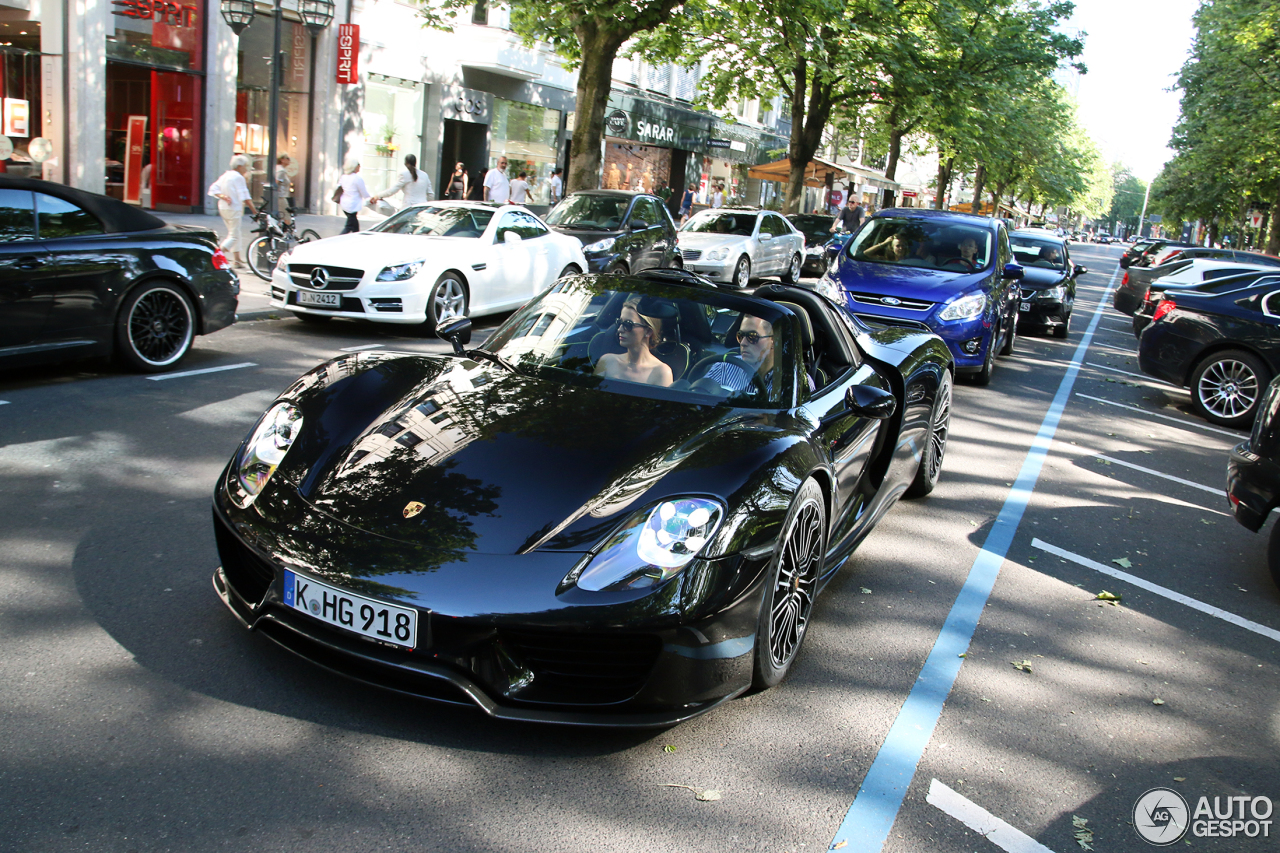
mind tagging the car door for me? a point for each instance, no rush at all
(790, 242)
(646, 235)
(28, 283)
(519, 265)
(760, 247)
(89, 265)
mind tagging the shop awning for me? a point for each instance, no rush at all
(816, 172)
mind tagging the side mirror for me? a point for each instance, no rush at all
(639, 225)
(1079, 271)
(867, 401)
(511, 238)
(765, 238)
(457, 331)
(1013, 271)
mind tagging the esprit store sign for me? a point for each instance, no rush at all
(348, 53)
(164, 11)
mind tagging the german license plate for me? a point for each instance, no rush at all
(324, 300)
(367, 617)
(1023, 306)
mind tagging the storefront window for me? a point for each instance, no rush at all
(253, 103)
(630, 166)
(392, 129)
(20, 88)
(526, 135)
(163, 34)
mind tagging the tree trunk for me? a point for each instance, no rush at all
(599, 49)
(979, 178)
(944, 182)
(895, 154)
(806, 129)
(1273, 232)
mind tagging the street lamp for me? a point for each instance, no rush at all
(316, 14)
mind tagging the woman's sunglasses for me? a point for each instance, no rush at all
(752, 338)
(628, 325)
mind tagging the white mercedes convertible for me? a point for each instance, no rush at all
(427, 264)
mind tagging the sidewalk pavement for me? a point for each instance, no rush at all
(255, 294)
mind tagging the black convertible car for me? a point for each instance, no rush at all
(523, 528)
(83, 275)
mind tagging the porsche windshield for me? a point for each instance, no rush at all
(949, 246)
(437, 222)
(715, 222)
(1043, 252)
(654, 340)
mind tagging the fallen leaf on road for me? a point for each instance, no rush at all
(865, 591)
(1122, 562)
(669, 748)
(1084, 834)
(1179, 778)
(1157, 701)
(1206, 521)
(1023, 665)
(705, 796)
(1110, 597)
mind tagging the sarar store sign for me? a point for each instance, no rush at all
(654, 125)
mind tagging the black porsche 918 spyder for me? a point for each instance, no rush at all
(523, 528)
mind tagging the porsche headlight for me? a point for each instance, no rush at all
(400, 272)
(265, 450)
(718, 254)
(652, 546)
(600, 245)
(964, 308)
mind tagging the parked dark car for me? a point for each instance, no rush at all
(816, 228)
(1220, 340)
(621, 232)
(83, 275)
(1142, 283)
(1048, 283)
(951, 273)
(1134, 252)
(1253, 475)
(1159, 287)
(521, 529)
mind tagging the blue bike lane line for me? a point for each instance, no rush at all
(871, 817)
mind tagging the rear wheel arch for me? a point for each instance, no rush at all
(1220, 346)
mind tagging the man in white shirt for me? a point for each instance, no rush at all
(557, 186)
(520, 189)
(496, 186)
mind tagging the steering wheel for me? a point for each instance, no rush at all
(701, 369)
(970, 264)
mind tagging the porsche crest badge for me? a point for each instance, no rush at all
(412, 508)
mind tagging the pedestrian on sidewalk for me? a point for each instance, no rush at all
(232, 193)
(520, 189)
(284, 189)
(415, 185)
(354, 194)
(557, 186)
(497, 187)
(459, 183)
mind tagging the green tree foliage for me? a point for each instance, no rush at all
(1227, 140)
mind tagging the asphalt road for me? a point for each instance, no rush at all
(135, 713)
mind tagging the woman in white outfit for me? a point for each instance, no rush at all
(232, 193)
(354, 194)
(415, 185)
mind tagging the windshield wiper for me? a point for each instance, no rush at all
(492, 356)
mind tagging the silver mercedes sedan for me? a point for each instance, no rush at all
(736, 245)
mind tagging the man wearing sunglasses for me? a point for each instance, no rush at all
(755, 339)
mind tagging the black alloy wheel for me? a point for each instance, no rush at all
(792, 585)
(983, 376)
(448, 301)
(792, 275)
(935, 447)
(618, 268)
(1227, 387)
(155, 327)
(742, 273)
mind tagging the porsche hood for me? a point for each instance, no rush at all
(459, 456)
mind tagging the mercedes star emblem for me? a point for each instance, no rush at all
(319, 278)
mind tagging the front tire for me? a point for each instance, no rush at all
(792, 275)
(1007, 349)
(983, 377)
(742, 273)
(935, 446)
(792, 585)
(308, 236)
(1061, 332)
(263, 254)
(571, 269)
(1227, 387)
(155, 327)
(448, 300)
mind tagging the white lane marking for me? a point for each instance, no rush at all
(4, 402)
(164, 376)
(981, 821)
(361, 349)
(1179, 421)
(1194, 604)
(1118, 370)
(1212, 491)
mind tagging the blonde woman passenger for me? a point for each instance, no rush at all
(639, 334)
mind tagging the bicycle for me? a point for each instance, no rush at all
(276, 238)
